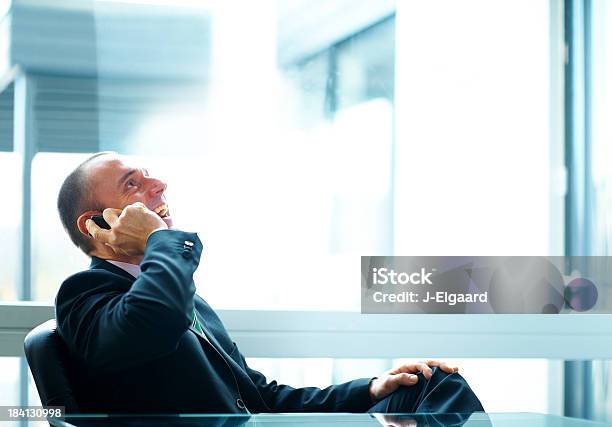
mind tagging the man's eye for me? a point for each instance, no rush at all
(131, 183)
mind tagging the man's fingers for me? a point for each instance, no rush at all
(449, 369)
(138, 205)
(425, 368)
(443, 365)
(96, 232)
(399, 370)
(409, 368)
(406, 379)
(111, 215)
(414, 367)
(427, 371)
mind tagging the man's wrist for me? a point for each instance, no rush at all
(372, 397)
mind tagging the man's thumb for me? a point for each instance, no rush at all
(406, 379)
(94, 230)
(91, 226)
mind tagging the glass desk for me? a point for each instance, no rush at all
(477, 419)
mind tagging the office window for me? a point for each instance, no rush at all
(9, 226)
(33, 397)
(599, 181)
(474, 146)
(365, 65)
(600, 156)
(308, 84)
(9, 381)
(4, 30)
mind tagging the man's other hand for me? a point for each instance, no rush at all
(405, 375)
(130, 228)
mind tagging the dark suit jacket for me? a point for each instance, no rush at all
(134, 349)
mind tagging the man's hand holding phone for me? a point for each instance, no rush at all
(130, 228)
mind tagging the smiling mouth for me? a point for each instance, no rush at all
(162, 211)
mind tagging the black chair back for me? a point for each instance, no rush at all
(49, 362)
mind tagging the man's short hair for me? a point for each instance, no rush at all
(75, 198)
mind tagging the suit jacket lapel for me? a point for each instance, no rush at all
(208, 337)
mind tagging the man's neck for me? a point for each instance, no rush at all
(136, 260)
(128, 260)
(132, 269)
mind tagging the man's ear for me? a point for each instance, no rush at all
(83, 218)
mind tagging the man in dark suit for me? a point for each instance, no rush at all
(142, 341)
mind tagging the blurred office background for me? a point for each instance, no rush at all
(298, 135)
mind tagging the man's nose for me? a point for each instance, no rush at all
(157, 187)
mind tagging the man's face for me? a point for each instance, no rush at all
(116, 184)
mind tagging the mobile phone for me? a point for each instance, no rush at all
(100, 222)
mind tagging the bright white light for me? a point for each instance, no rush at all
(472, 137)
(5, 5)
(361, 141)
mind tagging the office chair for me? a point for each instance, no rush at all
(49, 362)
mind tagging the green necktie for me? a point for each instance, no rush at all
(197, 326)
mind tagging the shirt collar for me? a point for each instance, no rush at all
(133, 269)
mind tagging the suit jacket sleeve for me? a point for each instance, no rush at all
(113, 329)
(352, 396)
